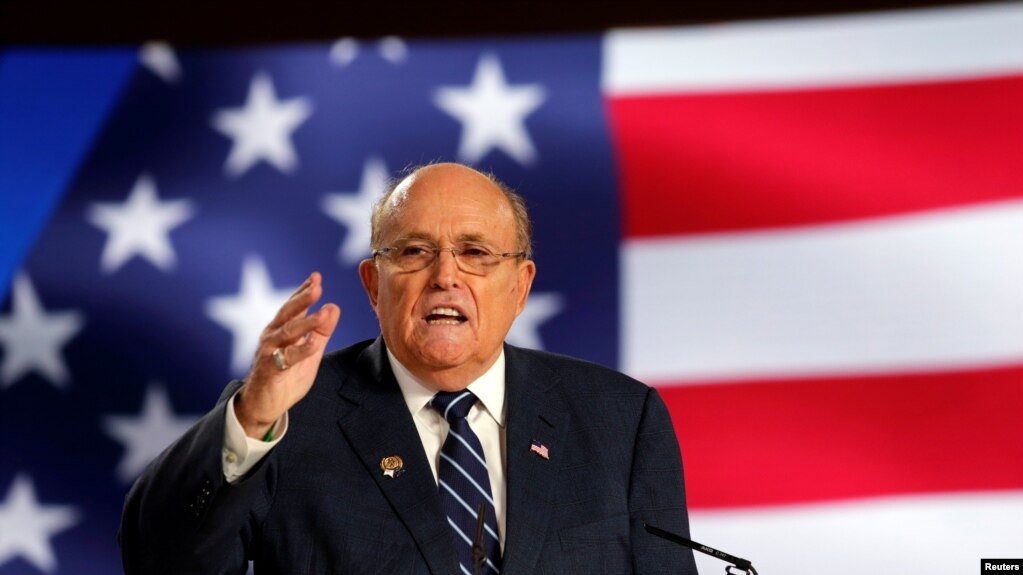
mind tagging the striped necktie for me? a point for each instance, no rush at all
(465, 484)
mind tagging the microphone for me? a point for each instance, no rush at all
(479, 554)
(738, 562)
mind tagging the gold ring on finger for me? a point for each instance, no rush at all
(279, 360)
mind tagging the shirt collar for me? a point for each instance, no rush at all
(488, 388)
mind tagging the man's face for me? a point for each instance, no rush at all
(447, 204)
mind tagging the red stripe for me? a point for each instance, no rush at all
(747, 444)
(718, 162)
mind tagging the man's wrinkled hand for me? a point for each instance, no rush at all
(301, 338)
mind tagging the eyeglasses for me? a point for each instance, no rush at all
(413, 256)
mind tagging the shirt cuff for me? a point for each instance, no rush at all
(241, 452)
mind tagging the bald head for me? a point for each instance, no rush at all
(446, 177)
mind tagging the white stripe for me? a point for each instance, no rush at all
(923, 292)
(956, 42)
(937, 535)
(467, 476)
(471, 449)
(454, 526)
(472, 511)
(452, 404)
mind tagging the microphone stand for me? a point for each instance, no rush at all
(742, 565)
(479, 553)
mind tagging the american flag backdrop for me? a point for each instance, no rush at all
(807, 234)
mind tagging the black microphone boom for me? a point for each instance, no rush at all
(479, 553)
(739, 563)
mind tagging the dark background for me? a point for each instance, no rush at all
(238, 22)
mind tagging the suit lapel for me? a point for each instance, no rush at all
(534, 414)
(376, 421)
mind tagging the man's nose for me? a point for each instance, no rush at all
(445, 269)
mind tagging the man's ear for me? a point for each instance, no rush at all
(370, 276)
(527, 272)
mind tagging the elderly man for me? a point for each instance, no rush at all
(436, 448)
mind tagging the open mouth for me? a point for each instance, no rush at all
(445, 316)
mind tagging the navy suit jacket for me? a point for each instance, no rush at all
(320, 504)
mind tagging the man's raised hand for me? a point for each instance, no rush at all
(299, 339)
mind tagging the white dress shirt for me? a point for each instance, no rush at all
(487, 419)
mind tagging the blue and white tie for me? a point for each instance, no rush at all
(464, 483)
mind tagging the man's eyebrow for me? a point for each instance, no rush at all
(468, 237)
(417, 236)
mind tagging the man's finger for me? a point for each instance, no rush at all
(313, 340)
(323, 322)
(329, 315)
(299, 302)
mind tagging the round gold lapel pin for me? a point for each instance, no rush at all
(392, 466)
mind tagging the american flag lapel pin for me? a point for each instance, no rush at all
(539, 449)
